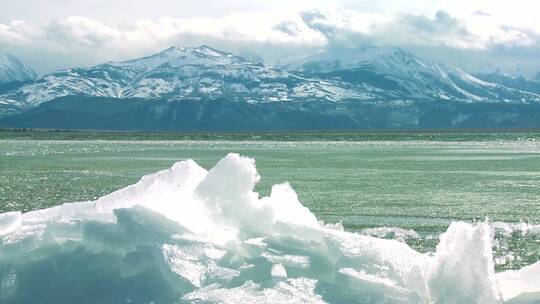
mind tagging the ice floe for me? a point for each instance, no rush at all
(188, 235)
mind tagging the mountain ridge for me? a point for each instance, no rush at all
(13, 70)
(411, 75)
(206, 73)
(394, 85)
(175, 73)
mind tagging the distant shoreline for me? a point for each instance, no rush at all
(307, 135)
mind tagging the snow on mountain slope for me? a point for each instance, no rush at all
(335, 59)
(11, 69)
(105, 80)
(178, 73)
(404, 74)
(65, 83)
(203, 73)
(514, 82)
(207, 73)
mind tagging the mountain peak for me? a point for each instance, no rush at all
(398, 52)
(209, 51)
(335, 74)
(12, 69)
(203, 49)
(333, 59)
(172, 49)
(207, 48)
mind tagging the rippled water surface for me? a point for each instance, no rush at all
(415, 184)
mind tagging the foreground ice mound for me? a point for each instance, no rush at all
(187, 235)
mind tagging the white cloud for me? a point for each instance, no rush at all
(77, 40)
(16, 32)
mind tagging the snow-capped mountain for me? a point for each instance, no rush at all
(11, 70)
(176, 74)
(199, 88)
(202, 73)
(402, 75)
(515, 82)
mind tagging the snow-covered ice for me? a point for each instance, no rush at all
(188, 235)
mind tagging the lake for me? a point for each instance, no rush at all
(417, 183)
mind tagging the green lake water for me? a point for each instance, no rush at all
(412, 181)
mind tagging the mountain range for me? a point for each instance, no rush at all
(202, 88)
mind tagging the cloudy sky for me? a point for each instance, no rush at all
(476, 35)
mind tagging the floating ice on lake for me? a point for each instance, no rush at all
(523, 228)
(187, 235)
(391, 232)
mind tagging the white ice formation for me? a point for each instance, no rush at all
(187, 235)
